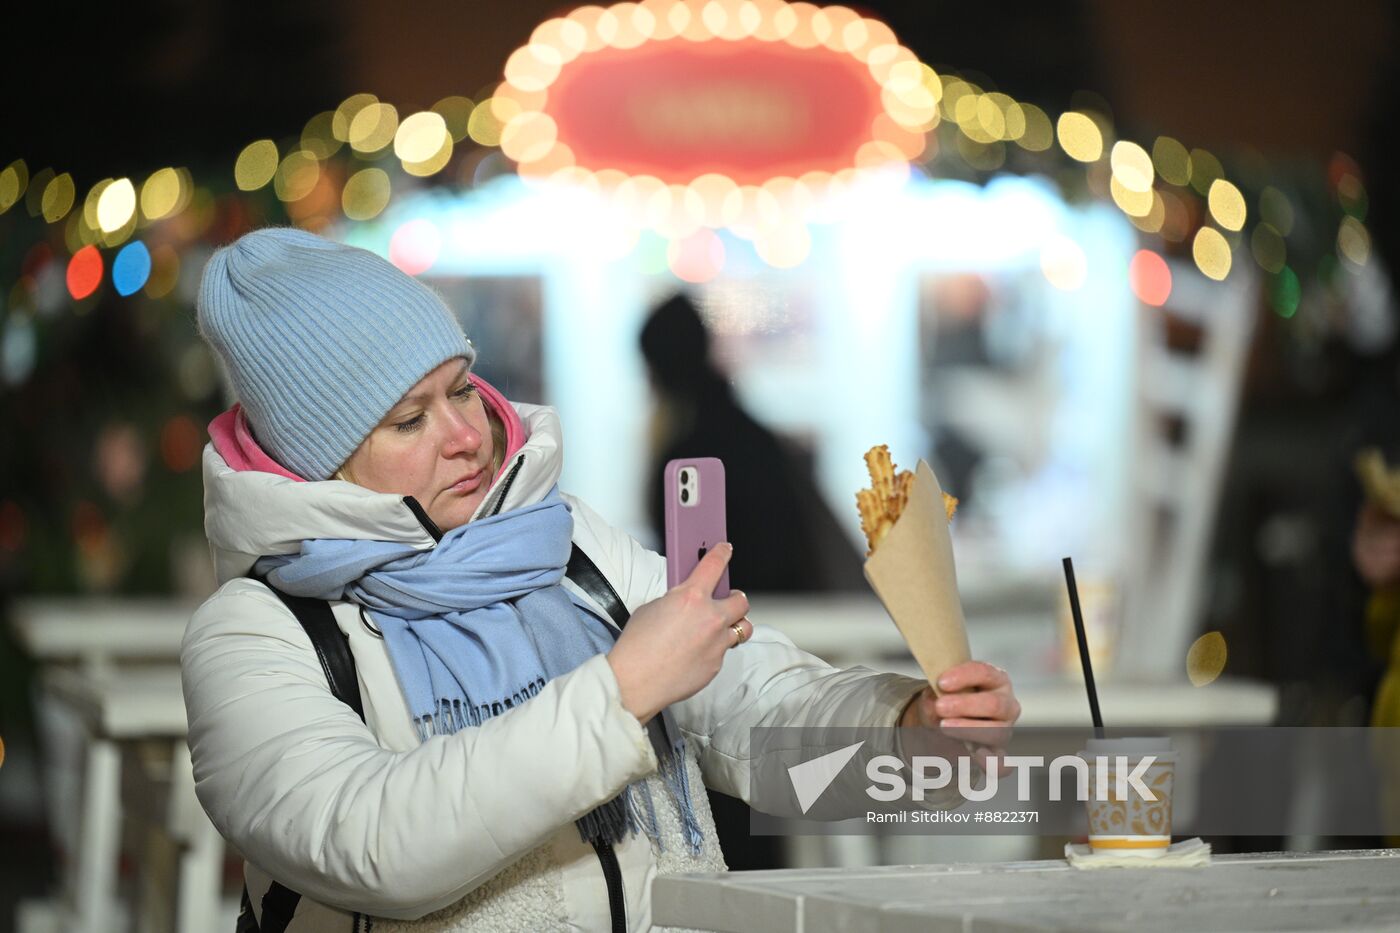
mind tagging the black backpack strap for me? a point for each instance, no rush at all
(332, 647)
(590, 579)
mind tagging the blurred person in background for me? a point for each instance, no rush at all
(514, 761)
(786, 538)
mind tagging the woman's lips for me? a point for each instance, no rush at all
(469, 483)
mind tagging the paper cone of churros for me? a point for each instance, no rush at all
(905, 518)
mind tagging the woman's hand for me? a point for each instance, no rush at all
(977, 704)
(673, 646)
(1375, 547)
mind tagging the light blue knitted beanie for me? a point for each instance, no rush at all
(319, 340)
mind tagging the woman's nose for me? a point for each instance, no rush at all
(461, 435)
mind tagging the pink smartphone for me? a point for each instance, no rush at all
(694, 490)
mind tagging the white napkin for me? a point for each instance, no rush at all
(1185, 854)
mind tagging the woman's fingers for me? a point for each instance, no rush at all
(991, 704)
(972, 675)
(705, 576)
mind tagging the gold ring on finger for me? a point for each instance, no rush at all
(739, 636)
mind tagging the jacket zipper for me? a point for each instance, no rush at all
(506, 484)
(612, 873)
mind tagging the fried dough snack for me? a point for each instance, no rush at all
(881, 505)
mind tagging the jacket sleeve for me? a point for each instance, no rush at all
(296, 782)
(768, 681)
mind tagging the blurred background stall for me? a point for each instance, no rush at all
(1121, 272)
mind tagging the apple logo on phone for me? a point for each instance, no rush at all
(700, 555)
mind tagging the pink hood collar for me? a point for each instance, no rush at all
(233, 439)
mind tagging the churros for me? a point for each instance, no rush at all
(881, 505)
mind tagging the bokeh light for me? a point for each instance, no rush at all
(366, 194)
(180, 444)
(484, 127)
(1080, 137)
(373, 128)
(1226, 204)
(1205, 660)
(84, 272)
(1285, 293)
(256, 165)
(58, 197)
(318, 136)
(420, 136)
(1205, 169)
(1353, 241)
(1063, 262)
(1132, 203)
(784, 246)
(13, 182)
(116, 205)
(415, 246)
(456, 113)
(131, 268)
(18, 349)
(296, 176)
(1276, 210)
(1132, 168)
(160, 194)
(1040, 132)
(347, 111)
(696, 258)
(1212, 253)
(1150, 278)
(1268, 248)
(165, 271)
(1172, 161)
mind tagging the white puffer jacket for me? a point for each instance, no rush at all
(468, 831)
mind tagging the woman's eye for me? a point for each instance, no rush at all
(406, 427)
(465, 391)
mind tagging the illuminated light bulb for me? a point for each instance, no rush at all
(1172, 161)
(803, 36)
(1226, 204)
(781, 24)
(989, 119)
(696, 258)
(1080, 137)
(1285, 293)
(640, 23)
(588, 17)
(1205, 169)
(421, 136)
(785, 246)
(1039, 134)
(347, 111)
(829, 25)
(116, 205)
(715, 17)
(1132, 167)
(366, 194)
(1353, 241)
(1012, 116)
(529, 136)
(677, 19)
(1150, 278)
(84, 272)
(1212, 253)
(1276, 209)
(131, 268)
(877, 153)
(856, 37)
(373, 128)
(1152, 221)
(256, 165)
(1132, 203)
(713, 190)
(565, 36)
(58, 197)
(1268, 248)
(1063, 263)
(415, 246)
(296, 176)
(661, 27)
(160, 193)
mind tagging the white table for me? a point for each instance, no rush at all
(1322, 891)
(88, 648)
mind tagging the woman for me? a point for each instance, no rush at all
(510, 735)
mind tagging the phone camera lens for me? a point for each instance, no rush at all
(685, 496)
(685, 477)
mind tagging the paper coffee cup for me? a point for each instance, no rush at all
(1122, 821)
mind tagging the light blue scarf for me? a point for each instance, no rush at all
(478, 625)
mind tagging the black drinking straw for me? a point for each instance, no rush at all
(1083, 648)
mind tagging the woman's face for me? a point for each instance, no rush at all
(434, 445)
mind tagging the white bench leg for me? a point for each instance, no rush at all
(202, 850)
(99, 838)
